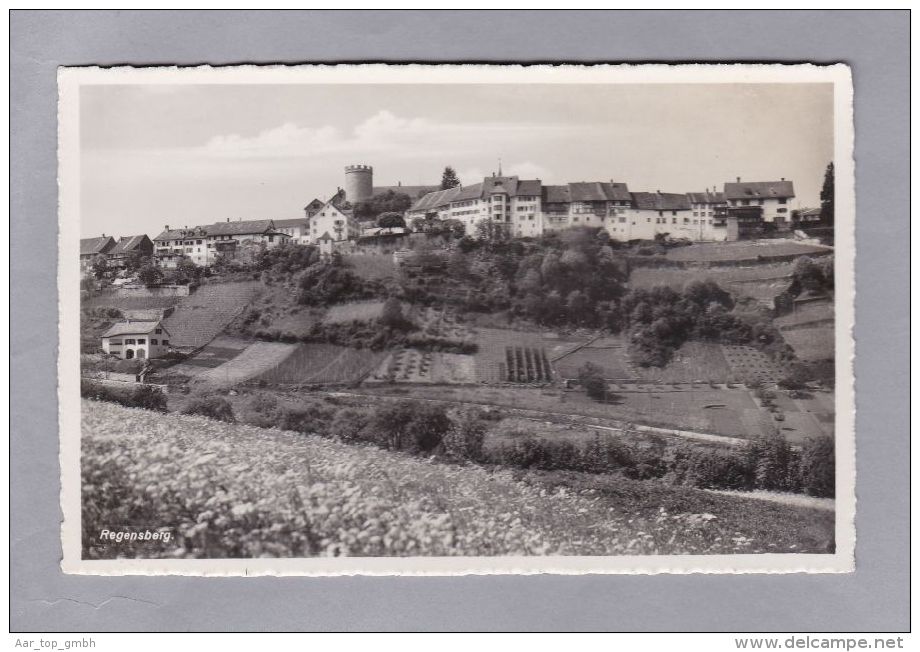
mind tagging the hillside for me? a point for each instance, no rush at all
(240, 491)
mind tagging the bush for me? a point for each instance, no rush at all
(774, 464)
(712, 469)
(262, 411)
(350, 425)
(464, 439)
(213, 407)
(409, 426)
(311, 419)
(817, 468)
(141, 396)
(591, 377)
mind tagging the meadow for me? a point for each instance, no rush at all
(743, 250)
(343, 313)
(238, 491)
(201, 316)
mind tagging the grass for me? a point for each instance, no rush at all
(314, 363)
(239, 491)
(743, 251)
(372, 268)
(811, 344)
(355, 311)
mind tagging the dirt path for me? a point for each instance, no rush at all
(795, 500)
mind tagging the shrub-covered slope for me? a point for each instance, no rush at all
(239, 491)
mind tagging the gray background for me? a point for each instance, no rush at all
(875, 598)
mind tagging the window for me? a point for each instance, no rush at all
(780, 210)
(649, 220)
(153, 341)
(198, 242)
(158, 331)
(129, 341)
(673, 220)
(782, 200)
(760, 202)
(142, 340)
(745, 202)
(687, 220)
(673, 212)
(622, 219)
(165, 342)
(114, 342)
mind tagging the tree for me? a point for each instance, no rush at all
(827, 196)
(449, 179)
(387, 202)
(817, 467)
(591, 377)
(391, 315)
(464, 440)
(100, 266)
(213, 407)
(391, 220)
(149, 274)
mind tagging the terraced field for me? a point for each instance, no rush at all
(256, 359)
(751, 365)
(761, 282)
(811, 343)
(314, 363)
(202, 315)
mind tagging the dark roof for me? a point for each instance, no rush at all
(661, 201)
(759, 189)
(556, 195)
(599, 191)
(179, 234)
(434, 199)
(128, 244)
(133, 328)
(412, 191)
(93, 246)
(707, 197)
(325, 236)
(240, 227)
(283, 224)
(529, 187)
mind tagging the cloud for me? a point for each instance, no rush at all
(384, 132)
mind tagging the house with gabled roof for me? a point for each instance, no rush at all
(203, 244)
(334, 219)
(132, 339)
(126, 247)
(774, 198)
(90, 248)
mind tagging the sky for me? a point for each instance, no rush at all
(183, 155)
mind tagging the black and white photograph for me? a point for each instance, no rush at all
(456, 319)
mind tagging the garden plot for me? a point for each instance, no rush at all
(355, 311)
(414, 366)
(256, 359)
(439, 323)
(371, 267)
(749, 365)
(517, 356)
(314, 363)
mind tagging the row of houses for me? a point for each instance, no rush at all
(529, 208)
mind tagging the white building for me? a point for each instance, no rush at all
(774, 198)
(297, 229)
(335, 219)
(203, 244)
(136, 339)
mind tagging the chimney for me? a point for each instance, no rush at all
(782, 178)
(103, 235)
(738, 179)
(228, 219)
(167, 227)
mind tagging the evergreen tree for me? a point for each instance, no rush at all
(827, 196)
(449, 178)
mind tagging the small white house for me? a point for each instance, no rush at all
(136, 339)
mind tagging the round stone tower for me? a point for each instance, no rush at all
(359, 182)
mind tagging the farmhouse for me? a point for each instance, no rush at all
(92, 247)
(297, 229)
(126, 247)
(136, 339)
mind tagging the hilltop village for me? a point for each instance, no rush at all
(585, 337)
